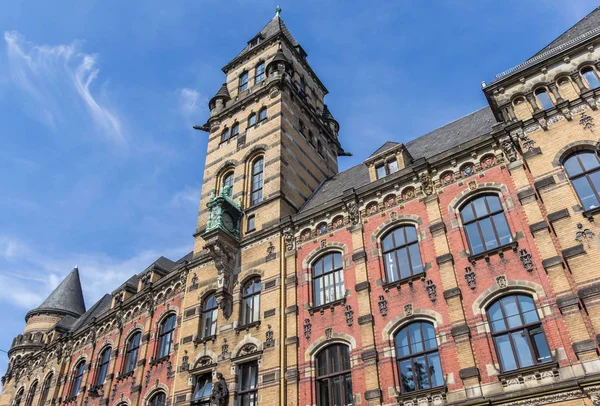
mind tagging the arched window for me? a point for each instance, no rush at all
(228, 182)
(590, 77)
(517, 332)
(208, 326)
(251, 301)
(401, 255)
(235, 130)
(257, 181)
(322, 228)
(165, 336)
(417, 357)
(102, 367)
(583, 170)
(225, 135)
(202, 390)
(19, 397)
(244, 81)
(259, 73)
(131, 353)
(252, 120)
(334, 378)
(31, 394)
(46, 390)
(77, 378)
(319, 147)
(262, 114)
(544, 99)
(485, 224)
(328, 279)
(159, 399)
(248, 392)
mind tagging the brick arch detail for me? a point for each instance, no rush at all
(255, 150)
(165, 312)
(317, 252)
(206, 353)
(468, 194)
(244, 277)
(161, 387)
(248, 339)
(512, 286)
(322, 342)
(573, 147)
(392, 223)
(402, 319)
(124, 401)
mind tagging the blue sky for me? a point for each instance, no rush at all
(99, 166)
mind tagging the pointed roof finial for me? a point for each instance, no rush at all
(277, 11)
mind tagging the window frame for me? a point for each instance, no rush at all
(132, 346)
(249, 367)
(396, 249)
(413, 355)
(225, 135)
(209, 313)
(244, 78)
(163, 335)
(251, 316)
(77, 378)
(257, 174)
(235, 130)
(329, 377)
(251, 117)
(250, 223)
(31, 393)
(262, 114)
(321, 278)
(545, 91)
(591, 70)
(153, 402)
(258, 74)
(509, 331)
(205, 401)
(19, 397)
(477, 220)
(229, 174)
(585, 173)
(102, 365)
(46, 389)
(386, 168)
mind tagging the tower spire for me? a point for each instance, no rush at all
(67, 298)
(277, 11)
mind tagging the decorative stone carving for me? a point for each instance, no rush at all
(353, 212)
(288, 238)
(222, 253)
(224, 348)
(382, 305)
(220, 392)
(270, 252)
(185, 361)
(269, 340)
(508, 148)
(307, 329)
(584, 234)
(408, 309)
(194, 279)
(470, 277)
(431, 290)
(525, 258)
(501, 281)
(247, 349)
(426, 184)
(587, 122)
(349, 313)
(328, 333)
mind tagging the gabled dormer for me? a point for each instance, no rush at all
(388, 159)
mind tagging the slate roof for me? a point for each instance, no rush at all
(434, 143)
(587, 23)
(67, 297)
(274, 27)
(98, 309)
(384, 147)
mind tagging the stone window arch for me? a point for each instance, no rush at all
(166, 333)
(19, 397)
(401, 254)
(485, 224)
(542, 96)
(159, 398)
(77, 379)
(333, 375)
(583, 170)
(102, 365)
(132, 348)
(226, 180)
(32, 393)
(46, 389)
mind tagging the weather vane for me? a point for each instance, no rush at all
(277, 11)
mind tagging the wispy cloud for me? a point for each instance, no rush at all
(187, 196)
(191, 104)
(59, 80)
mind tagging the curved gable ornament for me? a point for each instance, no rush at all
(469, 193)
(409, 315)
(504, 286)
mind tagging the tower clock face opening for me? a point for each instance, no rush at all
(228, 222)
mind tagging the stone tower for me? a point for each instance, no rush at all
(64, 305)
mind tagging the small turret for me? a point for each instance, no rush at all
(280, 65)
(217, 103)
(331, 122)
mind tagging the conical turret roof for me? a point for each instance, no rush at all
(223, 93)
(67, 298)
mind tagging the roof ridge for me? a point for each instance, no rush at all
(449, 123)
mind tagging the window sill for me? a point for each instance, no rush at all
(517, 376)
(500, 251)
(589, 214)
(204, 340)
(125, 376)
(428, 393)
(70, 399)
(154, 362)
(247, 327)
(397, 284)
(331, 305)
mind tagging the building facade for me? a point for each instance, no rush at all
(462, 267)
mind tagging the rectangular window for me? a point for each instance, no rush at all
(392, 166)
(260, 73)
(248, 378)
(250, 223)
(380, 171)
(244, 82)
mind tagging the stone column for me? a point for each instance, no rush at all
(579, 81)
(532, 102)
(554, 89)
